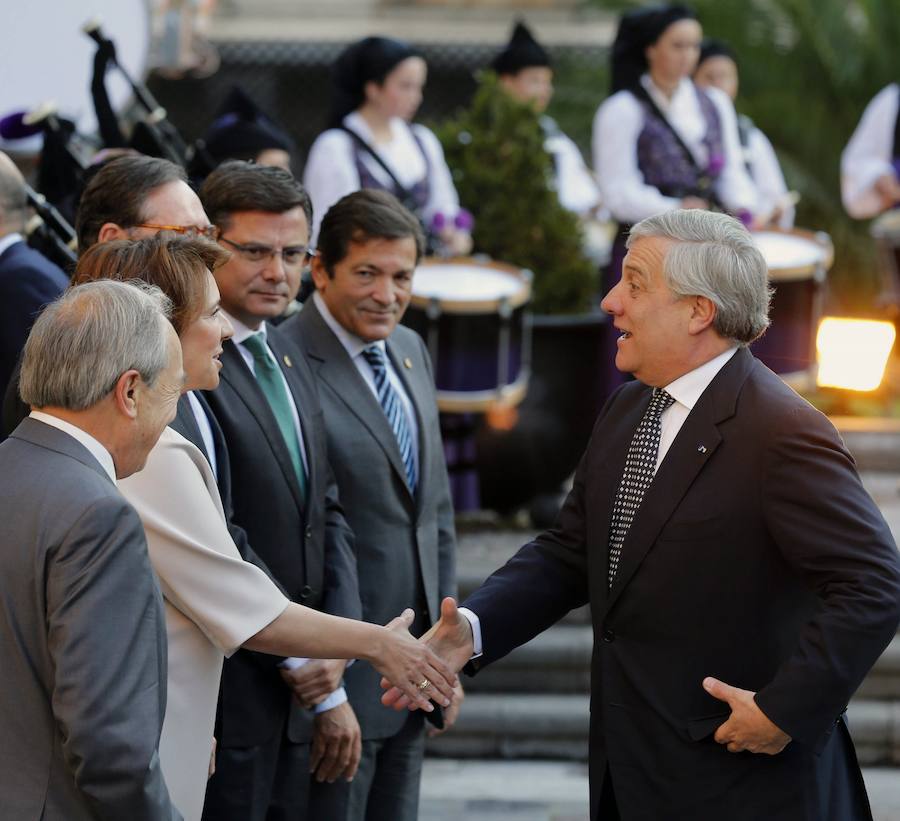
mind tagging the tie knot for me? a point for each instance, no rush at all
(660, 401)
(256, 344)
(374, 357)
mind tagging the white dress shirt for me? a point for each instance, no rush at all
(100, 453)
(9, 240)
(331, 172)
(575, 184)
(686, 391)
(765, 171)
(241, 333)
(618, 124)
(355, 347)
(869, 154)
(205, 430)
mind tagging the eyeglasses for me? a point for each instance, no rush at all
(208, 231)
(292, 255)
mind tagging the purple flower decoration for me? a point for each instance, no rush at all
(438, 222)
(715, 165)
(464, 220)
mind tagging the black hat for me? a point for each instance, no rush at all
(522, 51)
(639, 29)
(710, 47)
(367, 60)
(242, 130)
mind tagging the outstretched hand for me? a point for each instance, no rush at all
(450, 638)
(412, 666)
(747, 728)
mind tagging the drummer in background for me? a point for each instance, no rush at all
(870, 164)
(526, 73)
(660, 142)
(372, 143)
(717, 68)
(242, 131)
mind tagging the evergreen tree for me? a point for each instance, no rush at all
(495, 150)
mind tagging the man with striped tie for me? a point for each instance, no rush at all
(384, 445)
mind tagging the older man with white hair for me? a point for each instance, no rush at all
(741, 580)
(82, 632)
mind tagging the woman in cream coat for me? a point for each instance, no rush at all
(214, 601)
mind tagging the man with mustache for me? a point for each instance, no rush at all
(384, 444)
(283, 494)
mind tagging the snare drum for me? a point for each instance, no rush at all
(798, 262)
(886, 233)
(471, 314)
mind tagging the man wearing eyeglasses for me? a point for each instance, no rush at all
(284, 497)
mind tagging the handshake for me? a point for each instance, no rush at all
(417, 672)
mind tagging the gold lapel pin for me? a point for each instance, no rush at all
(287, 361)
(407, 363)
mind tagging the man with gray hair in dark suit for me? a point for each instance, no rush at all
(82, 636)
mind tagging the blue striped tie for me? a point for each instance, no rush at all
(393, 410)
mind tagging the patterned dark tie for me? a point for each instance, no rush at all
(393, 410)
(640, 468)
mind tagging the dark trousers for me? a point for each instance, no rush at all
(268, 782)
(386, 786)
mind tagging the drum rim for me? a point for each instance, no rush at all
(480, 401)
(796, 273)
(480, 306)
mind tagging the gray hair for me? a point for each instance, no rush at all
(714, 256)
(13, 201)
(82, 343)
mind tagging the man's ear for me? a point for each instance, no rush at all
(128, 385)
(319, 274)
(703, 314)
(110, 231)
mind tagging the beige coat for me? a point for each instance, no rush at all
(214, 602)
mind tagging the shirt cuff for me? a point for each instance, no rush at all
(293, 663)
(475, 624)
(336, 699)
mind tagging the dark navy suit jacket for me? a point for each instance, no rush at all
(28, 281)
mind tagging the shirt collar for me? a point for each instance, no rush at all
(100, 453)
(351, 342)
(242, 332)
(663, 102)
(687, 389)
(10, 240)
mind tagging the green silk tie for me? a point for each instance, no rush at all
(270, 380)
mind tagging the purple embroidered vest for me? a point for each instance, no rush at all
(662, 159)
(417, 196)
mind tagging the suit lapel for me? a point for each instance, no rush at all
(336, 369)
(185, 423)
(239, 376)
(693, 447)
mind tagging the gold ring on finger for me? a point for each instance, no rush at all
(424, 684)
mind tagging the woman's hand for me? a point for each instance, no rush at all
(411, 666)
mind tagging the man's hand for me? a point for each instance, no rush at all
(412, 666)
(450, 714)
(314, 681)
(336, 744)
(747, 728)
(451, 639)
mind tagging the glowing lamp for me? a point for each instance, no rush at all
(853, 353)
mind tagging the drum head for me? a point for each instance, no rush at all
(44, 55)
(470, 287)
(793, 255)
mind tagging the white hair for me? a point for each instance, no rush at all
(82, 343)
(714, 256)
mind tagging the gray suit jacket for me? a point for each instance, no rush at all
(405, 546)
(82, 640)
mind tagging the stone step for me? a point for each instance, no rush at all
(558, 661)
(556, 727)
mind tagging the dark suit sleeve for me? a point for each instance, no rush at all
(341, 594)
(830, 532)
(14, 409)
(103, 622)
(540, 584)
